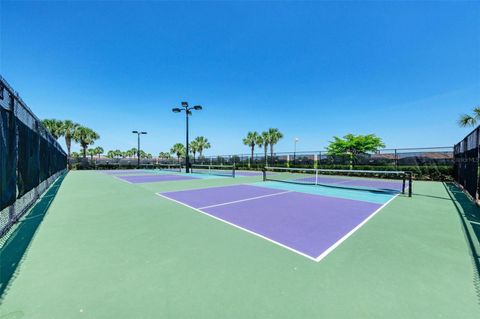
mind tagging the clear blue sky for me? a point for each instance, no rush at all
(402, 70)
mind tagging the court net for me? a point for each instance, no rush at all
(393, 182)
(169, 167)
(220, 170)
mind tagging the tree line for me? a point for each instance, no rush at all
(349, 146)
(131, 153)
(198, 145)
(265, 139)
(72, 131)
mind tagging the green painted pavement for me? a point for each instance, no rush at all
(109, 249)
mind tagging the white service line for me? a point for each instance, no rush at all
(121, 179)
(239, 227)
(246, 199)
(207, 187)
(350, 233)
(317, 259)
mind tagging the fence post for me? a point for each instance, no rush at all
(477, 142)
(396, 160)
(13, 126)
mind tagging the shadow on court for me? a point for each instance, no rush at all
(17, 242)
(470, 216)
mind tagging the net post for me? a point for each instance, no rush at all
(316, 177)
(233, 171)
(264, 173)
(410, 184)
(403, 182)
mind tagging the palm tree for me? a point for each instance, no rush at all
(91, 152)
(264, 140)
(164, 155)
(133, 152)
(274, 136)
(202, 144)
(194, 148)
(470, 120)
(53, 126)
(67, 129)
(111, 154)
(85, 137)
(99, 151)
(178, 149)
(251, 141)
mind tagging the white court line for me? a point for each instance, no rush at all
(239, 227)
(123, 180)
(208, 187)
(350, 233)
(244, 200)
(317, 259)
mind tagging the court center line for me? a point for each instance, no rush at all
(239, 227)
(207, 187)
(244, 200)
(316, 259)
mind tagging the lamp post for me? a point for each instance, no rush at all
(138, 148)
(295, 149)
(188, 112)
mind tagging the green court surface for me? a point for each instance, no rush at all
(97, 247)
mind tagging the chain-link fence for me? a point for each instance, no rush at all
(433, 163)
(30, 158)
(466, 154)
(99, 162)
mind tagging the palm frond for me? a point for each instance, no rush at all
(466, 120)
(476, 112)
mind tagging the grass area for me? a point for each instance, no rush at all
(109, 249)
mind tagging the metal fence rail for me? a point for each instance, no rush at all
(30, 157)
(431, 163)
(466, 154)
(384, 157)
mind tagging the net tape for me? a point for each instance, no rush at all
(376, 181)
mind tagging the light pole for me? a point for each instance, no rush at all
(188, 112)
(295, 149)
(138, 148)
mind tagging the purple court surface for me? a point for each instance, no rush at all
(138, 179)
(247, 173)
(310, 225)
(123, 172)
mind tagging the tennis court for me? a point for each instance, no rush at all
(185, 248)
(310, 225)
(166, 173)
